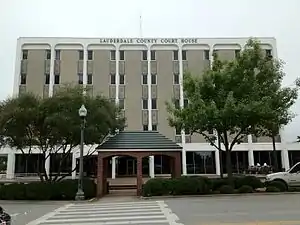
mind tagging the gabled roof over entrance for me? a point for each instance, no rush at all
(139, 140)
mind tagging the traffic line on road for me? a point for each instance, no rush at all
(257, 223)
(118, 213)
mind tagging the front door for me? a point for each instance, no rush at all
(131, 167)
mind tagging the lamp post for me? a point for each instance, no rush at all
(80, 194)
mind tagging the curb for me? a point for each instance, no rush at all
(219, 195)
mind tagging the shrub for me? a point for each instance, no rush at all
(64, 190)
(226, 189)
(180, 186)
(156, 187)
(16, 191)
(245, 189)
(278, 184)
(190, 186)
(272, 189)
(251, 181)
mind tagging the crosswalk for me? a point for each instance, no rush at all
(112, 213)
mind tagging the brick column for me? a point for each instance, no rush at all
(100, 174)
(177, 165)
(139, 177)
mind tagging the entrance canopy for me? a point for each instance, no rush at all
(137, 144)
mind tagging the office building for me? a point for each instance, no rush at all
(141, 74)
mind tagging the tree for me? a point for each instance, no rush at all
(282, 100)
(55, 125)
(234, 98)
(16, 116)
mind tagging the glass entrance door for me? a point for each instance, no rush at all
(131, 167)
(126, 166)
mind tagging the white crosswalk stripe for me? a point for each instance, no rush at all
(117, 213)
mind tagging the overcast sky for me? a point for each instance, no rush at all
(161, 18)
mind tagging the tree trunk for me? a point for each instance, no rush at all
(221, 164)
(228, 166)
(275, 166)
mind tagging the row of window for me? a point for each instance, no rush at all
(112, 79)
(144, 54)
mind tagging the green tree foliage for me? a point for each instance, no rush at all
(234, 98)
(53, 124)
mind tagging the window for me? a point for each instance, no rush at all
(112, 79)
(23, 78)
(113, 55)
(185, 103)
(154, 103)
(237, 53)
(56, 79)
(268, 52)
(90, 54)
(145, 103)
(177, 131)
(122, 79)
(200, 162)
(47, 78)
(80, 78)
(25, 54)
(122, 55)
(175, 55)
(144, 79)
(121, 104)
(144, 55)
(184, 57)
(154, 127)
(48, 54)
(80, 55)
(176, 78)
(153, 79)
(177, 103)
(145, 127)
(211, 131)
(206, 54)
(57, 54)
(153, 55)
(90, 79)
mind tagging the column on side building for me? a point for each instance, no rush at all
(284, 152)
(217, 160)
(151, 166)
(250, 151)
(10, 169)
(74, 165)
(113, 167)
(47, 163)
(285, 159)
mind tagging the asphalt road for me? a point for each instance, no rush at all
(247, 210)
(22, 212)
(261, 210)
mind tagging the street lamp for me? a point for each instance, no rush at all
(80, 194)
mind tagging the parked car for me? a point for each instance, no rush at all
(290, 178)
(5, 218)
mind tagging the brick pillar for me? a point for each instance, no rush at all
(100, 174)
(177, 165)
(104, 179)
(139, 177)
(173, 166)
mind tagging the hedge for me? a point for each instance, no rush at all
(64, 190)
(195, 185)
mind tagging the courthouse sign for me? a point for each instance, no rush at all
(149, 40)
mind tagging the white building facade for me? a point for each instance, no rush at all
(149, 45)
